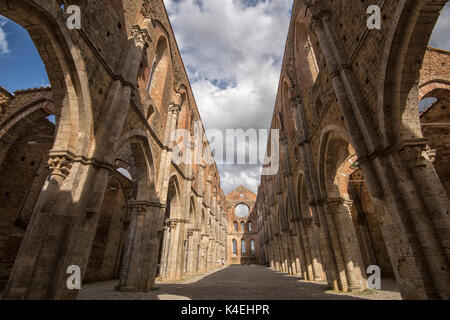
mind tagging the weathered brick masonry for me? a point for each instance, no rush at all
(364, 177)
(101, 190)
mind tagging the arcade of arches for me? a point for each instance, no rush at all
(364, 177)
(87, 176)
(86, 170)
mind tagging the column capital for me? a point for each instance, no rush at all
(141, 35)
(60, 165)
(334, 204)
(414, 152)
(174, 108)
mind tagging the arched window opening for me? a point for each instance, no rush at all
(158, 73)
(250, 227)
(242, 211)
(307, 66)
(243, 246)
(125, 173)
(235, 226)
(150, 112)
(252, 245)
(234, 246)
(426, 103)
(243, 227)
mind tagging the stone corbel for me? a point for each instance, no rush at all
(174, 108)
(431, 154)
(60, 165)
(141, 207)
(334, 205)
(141, 35)
(414, 152)
(348, 204)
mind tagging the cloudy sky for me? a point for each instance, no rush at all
(232, 50)
(233, 53)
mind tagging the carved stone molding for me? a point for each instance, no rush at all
(143, 205)
(172, 223)
(414, 152)
(431, 154)
(334, 204)
(141, 35)
(60, 165)
(348, 204)
(174, 108)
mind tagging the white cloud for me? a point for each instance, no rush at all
(4, 47)
(233, 52)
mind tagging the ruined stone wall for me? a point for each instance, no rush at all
(119, 90)
(249, 233)
(348, 101)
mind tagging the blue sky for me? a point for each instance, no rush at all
(20, 64)
(232, 50)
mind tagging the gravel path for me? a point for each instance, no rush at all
(236, 283)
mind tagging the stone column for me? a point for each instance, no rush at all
(193, 235)
(314, 194)
(61, 224)
(292, 254)
(305, 253)
(130, 278)
(346, 237)
(204, 253)
(314, 249)
(173, 254)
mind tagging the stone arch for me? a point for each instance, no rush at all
(402, 59)
(65, 69)
(330, 132)
(26, 137)
(432, 87)
(287, 85)
(107, 248)
(304, 55)
(337, 161)
(203, 221)
(234, 246)
(192, 210)
(184, 121)
(145, 178)
(286, 101)
(173, 209)
(303, 200)
(252, 247)
(43, 105)
(159, 72)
